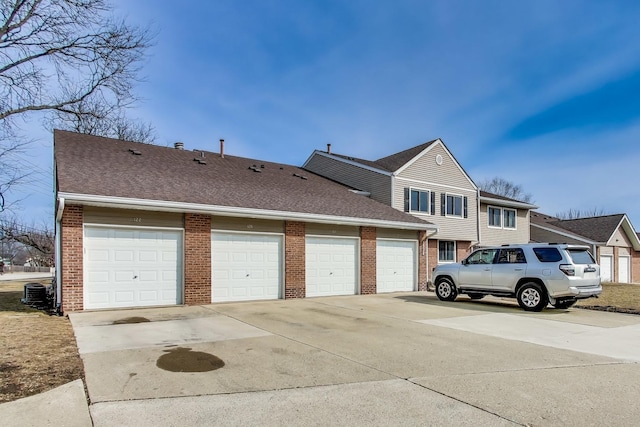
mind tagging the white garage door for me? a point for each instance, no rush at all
(395, 265)
(606, 268)
(623, 269)
(245, 266)
(331, 266)
(131, 267)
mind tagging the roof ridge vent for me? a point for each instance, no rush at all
(200, 160)
(255, 169)
(135, 152)
(300, 176)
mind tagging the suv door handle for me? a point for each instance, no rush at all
(519, 269)
(487, 269)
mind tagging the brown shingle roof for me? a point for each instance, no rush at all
(396, 161)
(106, 167)
(597, 228)
(499, 197)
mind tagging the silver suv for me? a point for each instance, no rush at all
(535, 274)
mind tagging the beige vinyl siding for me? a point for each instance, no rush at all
(224, 223)
(377, 184)
(449, 228)
(501, 236)
(624, 252)
(332, 230)
(544, 236)
(605, 250)
(620, 239)
(131, 217)
(388, 233)
(425, 169)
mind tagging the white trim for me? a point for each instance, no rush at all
(436, 142)
(446, 204)
(494, 227)
(330, 236)
(347, 161)
(455, 252)
(565, 234)
(170, 206)
(629, 230)
(104, 225)
(515, 219)
(599, 260)
(628, 258)
(270, 233)
(444, 186)
(508, 203)
(502, 219)
(423, 190)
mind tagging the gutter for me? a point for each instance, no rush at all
(169, 206)
(58, 245)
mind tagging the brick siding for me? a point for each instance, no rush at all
(462, 249)
(635, 266)
(294, 260)
(368, 271)
(197, 259)
(72, 259)
(432, 255)
(423, 274)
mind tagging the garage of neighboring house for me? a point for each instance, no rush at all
(132, 267)
(606, 267)
(396, 266)
(246, 266)
(331, 265)
(624, 269)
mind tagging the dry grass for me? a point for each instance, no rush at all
(39, 351)
(619, 297)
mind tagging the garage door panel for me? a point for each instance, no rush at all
(396, 262)
(606, 268)
(331, 266)
(132, 268)
(245, 266)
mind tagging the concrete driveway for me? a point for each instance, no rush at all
(401, 359)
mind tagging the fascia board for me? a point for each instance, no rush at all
(631, 233)
(349, 162)
(508, 203)
(572, 236)
(168, 206)
(426, 150)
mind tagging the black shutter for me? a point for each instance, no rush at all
(464, 206)
(443, 202)
(407, 196)
(433, 202)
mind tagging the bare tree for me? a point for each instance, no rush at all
(502, 187)
(67, 57)
(38, 243)
(578, 213)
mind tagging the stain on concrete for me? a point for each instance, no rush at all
(182, 359)
(129, 320)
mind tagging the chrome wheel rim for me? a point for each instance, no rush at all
(530, 297)
(444, 289)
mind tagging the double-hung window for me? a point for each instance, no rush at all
(454, 205)
(501, 217)
(422, 201)
(446, 251)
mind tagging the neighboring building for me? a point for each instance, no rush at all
(429, 183)
(612, 239)
(143, 225)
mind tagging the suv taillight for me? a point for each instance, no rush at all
(568, 269)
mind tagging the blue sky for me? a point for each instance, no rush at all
(542, 93)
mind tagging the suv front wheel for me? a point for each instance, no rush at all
(532, 297)
(446, 290)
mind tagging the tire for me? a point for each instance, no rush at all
(565, 303)
(446, 290)
(476, 296)
(532, 297)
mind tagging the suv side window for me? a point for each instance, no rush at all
(547, 254)
(483, 256)
(512, 256)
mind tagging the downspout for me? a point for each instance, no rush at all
(58, 244)
(478, 216)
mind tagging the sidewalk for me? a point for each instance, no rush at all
(7, 277)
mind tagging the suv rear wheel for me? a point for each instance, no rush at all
(532, 297)
(446, 290)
